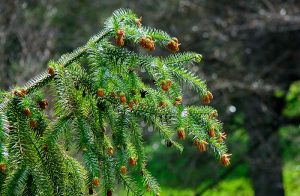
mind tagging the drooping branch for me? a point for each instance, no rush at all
(99, 101)
(65, 60)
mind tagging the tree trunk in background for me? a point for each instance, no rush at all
(265, 161)
(27, 40)
(275, 60)
(6, 44)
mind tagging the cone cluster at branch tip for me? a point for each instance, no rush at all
(147, 41)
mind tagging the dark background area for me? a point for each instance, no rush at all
(251, 63)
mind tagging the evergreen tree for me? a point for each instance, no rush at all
(99, 102)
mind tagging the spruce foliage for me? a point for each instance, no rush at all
(99, 102)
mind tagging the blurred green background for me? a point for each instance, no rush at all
(251, 64)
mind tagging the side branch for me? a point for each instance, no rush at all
(65, 60)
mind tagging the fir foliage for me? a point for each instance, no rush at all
(99, 103)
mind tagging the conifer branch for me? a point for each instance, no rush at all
(99, 102)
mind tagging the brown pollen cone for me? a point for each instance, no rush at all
(211, 132)
(202, 146)
(163, 104)
(169, 82)
(131, 104)
(23, 91)
(51, 71)
(210, 95)
(123, 169)
(120, 37)
(196, 142)
(164, 85)
(27, 112)
(132, 161)
(222, 137)
(123, 98)
(225, 159)
(96, 181)
(178, 101)
(110, 151)
(173, 45)
(120, 32)
(33, 124)
(205, 99)
(2, 167)
(120, 41)
(213, 114)
(43, 104)
(138, 22)
(100, 92)
(179, 98)
(181, 133)
(147, 43)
